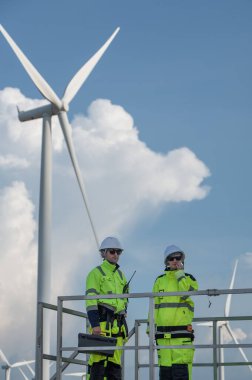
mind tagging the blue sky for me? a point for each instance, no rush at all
(174, 84)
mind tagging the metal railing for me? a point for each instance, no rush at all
(62, 362)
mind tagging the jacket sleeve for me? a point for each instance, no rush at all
(154, 290)
(186, 282)
(126, 290)
(93, 289)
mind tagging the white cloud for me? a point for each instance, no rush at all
(9, 161)
(24, 137)
(17, 265)
(238, 332)
(132, 178)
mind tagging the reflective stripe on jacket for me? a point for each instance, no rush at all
(106, 279)
(174, 310)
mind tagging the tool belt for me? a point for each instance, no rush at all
(109, 316)
(185, 331)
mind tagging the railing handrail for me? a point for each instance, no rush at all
(207, 292)
(134, 332)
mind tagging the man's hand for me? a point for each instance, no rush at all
(179, 265)
(96, 330)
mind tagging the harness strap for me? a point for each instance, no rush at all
(168, 329)
(176, 335)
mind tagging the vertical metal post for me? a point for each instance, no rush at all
(39, 343)
(221, 355)
(59, 339)
(151, 339)
(44, 242)
(215, 361)
(123, 364)
(87, 329)
(136, 350)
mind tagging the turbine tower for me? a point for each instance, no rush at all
(57, 107)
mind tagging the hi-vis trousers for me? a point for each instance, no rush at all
(175, 364)
(101, 367)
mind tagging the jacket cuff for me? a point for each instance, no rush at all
(93, 316)
(179, 274)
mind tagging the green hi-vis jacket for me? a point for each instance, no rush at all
(174, 310)
(106, 279)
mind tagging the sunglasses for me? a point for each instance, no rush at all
(177, 258)
(115, 251)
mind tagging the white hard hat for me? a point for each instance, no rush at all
(170, 250)
(110, 242)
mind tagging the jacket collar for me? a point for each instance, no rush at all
(111, 267)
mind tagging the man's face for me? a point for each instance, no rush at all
(175, 262)
(112, 255)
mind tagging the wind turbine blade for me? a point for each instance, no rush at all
(80, 77)
(3, 358)
(228, 301)
(19, 364)
(232, 334)
(37, 79)
(208, 324)
(31, 370)
(24, 375)
(68, 138)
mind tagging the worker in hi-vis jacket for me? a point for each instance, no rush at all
(173, 317)
(107, 316)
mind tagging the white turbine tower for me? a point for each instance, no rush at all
(225, 325)
(57, 107)
(7, 366)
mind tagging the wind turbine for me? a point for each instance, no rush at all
(57, 107)
(7, 366)
(226, 325)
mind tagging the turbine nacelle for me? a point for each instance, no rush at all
(39, 112)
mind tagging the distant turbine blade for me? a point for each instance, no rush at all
(37, 79)
(208, 324)
(80, 77)
(19, 364)
(31, 370)
(68, 138)
(24, 375)
(232, 334)
(228, 301)
(3, 358)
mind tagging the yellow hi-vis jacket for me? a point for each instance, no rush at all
(106, 278)
(174, 310)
